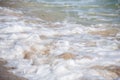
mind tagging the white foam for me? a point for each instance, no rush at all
(44, 60)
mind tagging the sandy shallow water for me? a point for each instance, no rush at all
(41, 47)
(5, 74)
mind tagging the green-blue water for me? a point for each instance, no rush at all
(75, 11)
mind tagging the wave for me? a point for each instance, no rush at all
(41, 49)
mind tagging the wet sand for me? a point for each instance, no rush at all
(5, 75)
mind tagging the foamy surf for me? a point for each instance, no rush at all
(41, 50)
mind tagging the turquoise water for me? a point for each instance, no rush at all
(74, 11)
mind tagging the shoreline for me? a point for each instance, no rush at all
(5, 74)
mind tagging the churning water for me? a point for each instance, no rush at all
(61, 39)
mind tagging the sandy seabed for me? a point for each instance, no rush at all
(5, 74)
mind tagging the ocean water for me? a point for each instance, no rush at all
(61, 39)
(77, 11)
